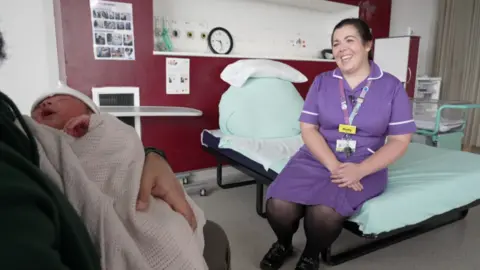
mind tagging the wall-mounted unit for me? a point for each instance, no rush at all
(120, 96)
(428, 88)
(399, 57)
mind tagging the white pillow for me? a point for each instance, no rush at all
(236, 74)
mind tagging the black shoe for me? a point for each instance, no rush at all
(275, 257)
(306, 263)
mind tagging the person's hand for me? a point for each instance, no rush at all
(333, 166)
(348, 175)
(183, 208)
(77, 126)
(159, 181)
(357, 186)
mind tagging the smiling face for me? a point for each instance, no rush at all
(55, 111)
(349, 49)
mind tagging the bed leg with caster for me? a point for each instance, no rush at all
(231, 185)
(259, 202)
(184, 177)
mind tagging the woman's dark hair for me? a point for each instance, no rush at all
(2, 48)
(362, 28)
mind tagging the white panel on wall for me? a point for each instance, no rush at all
(258, 28)
(421, 17)
(318, 5)
(32, 64)
(391, 54)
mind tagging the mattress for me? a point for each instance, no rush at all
(211, 139)
(272, 154)
(425, 182)
(445, 125)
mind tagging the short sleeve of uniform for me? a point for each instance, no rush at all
(401, 117)
(310, 107)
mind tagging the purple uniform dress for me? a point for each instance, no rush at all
(386, 110)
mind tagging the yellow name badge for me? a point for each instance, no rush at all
(348, 129)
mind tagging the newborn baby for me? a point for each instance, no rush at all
(97, 161)
(64, 112)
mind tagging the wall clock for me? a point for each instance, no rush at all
(220, 41)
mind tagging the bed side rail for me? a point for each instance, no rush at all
(444, 105)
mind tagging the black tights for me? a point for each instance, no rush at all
(322, 224)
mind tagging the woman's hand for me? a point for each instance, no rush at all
(317, 145)
(357, 186)
(348, 175)
(335, 167)
(158, 180)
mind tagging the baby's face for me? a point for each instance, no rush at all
(57, 110)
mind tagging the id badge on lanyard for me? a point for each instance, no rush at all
(346, 144)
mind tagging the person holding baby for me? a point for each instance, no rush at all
(40, 229)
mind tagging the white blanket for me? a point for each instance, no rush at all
(264, 151)
(100, 175)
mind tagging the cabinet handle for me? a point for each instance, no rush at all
(409, 76)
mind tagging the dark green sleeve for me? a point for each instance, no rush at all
(27, 225)
(149, 150)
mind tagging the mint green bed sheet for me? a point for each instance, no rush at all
(425, 182)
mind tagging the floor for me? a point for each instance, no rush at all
(454, 246)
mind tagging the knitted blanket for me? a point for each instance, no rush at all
(100, 174)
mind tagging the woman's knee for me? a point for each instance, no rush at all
(324, 213)
(275, 205)
(284, 209)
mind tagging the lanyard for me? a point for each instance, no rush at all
(360, 99)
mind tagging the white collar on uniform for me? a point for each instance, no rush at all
(375, 74)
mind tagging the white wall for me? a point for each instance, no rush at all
(421, 17)
(32, 65)
(259, 28)
(32, 50)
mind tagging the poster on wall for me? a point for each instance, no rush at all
(112, 28)
(178, 76)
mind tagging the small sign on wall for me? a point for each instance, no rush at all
(112, 28)
(178, 76)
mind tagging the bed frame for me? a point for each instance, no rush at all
(379, 241)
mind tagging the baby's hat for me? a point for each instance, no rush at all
(63, 89)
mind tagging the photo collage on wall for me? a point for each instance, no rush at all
(112, 25)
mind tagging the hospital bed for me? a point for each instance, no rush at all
(429, 187)
(441, 123)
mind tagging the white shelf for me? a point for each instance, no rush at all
(198, 54)
(123, 111)
(317, 5)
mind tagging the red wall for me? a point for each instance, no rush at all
(375, 12)
(412, 65)
(148, 73)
